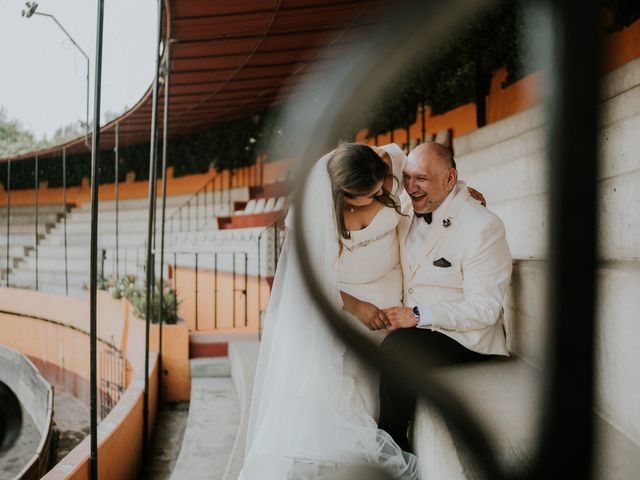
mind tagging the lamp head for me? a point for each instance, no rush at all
(30, 10)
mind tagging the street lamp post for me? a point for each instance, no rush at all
(31, 10)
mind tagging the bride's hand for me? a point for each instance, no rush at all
(371, 316)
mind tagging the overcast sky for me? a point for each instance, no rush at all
(42, 74)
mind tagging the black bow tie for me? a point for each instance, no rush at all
(427, 217)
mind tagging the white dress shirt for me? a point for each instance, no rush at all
(417, 235)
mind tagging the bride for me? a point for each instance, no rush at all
(315, 404)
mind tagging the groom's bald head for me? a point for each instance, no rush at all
(429, 176)
(433, 152)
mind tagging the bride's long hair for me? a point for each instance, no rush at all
(357, 169)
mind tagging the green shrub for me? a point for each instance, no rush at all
(128, 288)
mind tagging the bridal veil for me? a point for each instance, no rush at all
(302, 423)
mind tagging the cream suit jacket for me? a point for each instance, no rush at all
(466, 298)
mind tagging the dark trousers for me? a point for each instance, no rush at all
(427, 349)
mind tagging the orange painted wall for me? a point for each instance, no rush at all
(176, 383)
(185, 284)
(622, 47)
(60, 337)
(244, 176)
(619, 48)
(120, 437)
(52, 343)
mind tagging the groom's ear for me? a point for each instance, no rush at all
(452, 178)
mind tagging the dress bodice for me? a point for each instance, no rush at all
(372, 252)
(369, 265)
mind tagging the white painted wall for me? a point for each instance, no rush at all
(506, 162)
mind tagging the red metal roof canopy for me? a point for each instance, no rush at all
(230, 59)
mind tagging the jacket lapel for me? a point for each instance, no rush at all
(438, 230)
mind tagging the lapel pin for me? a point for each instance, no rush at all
(446, 223)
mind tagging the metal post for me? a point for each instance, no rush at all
(259, 280)
(103, 256)
(95, 169)
(408, 130)
(165, 141)
(275, 246)
(215, 290)
(196, 290)
(117, 194)
(8, 216)
(212, 198)
(219, 189)
(150, 265)
(86, 57)
(229, 205)
(175, 282)
(64, 201)
(392, 140)
(246, 289)
(198, 224)
(423, 110)
(36, 215)
(573, 158)
(234, 287)
(261, 172)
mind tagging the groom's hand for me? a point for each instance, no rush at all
(400, 317)
(371, 316)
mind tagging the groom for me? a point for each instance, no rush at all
(456, 265)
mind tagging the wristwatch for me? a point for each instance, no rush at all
(416, 313)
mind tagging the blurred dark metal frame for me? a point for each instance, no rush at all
(566, 430)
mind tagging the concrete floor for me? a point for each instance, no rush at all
(167, 440)
(13, 460)
(71, 417)
(211, 430)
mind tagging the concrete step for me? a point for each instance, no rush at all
(30, 218)
(27, 278)
(42, 208)
(55, 288)
(26, 228)
(107, 240)
(206, 367)
(212, 425)
(81, 252)
(136, 203)
(136, 213)
(130, 226)
(20, 239)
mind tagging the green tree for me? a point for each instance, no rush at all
(14, 138)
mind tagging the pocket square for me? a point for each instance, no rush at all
(442, 262)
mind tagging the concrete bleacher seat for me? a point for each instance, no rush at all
(22, 232)
(223, 244)
(53, 275)
(249, 207)
(260, 203)
(505, 395)
(279, 205)
(269, 204)
(507, 162)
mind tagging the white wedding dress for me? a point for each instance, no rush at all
(315, 403)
